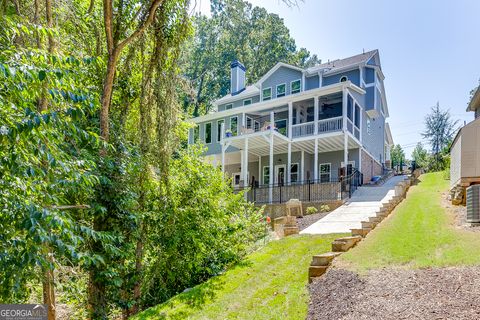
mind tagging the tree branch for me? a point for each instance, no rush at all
(91, 6)
(151, 14)
(69, 207)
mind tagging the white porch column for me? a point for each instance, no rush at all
(242, 165)
(345, 130)
(244, 123)
(289, 163)
(302, 166)
(315, 116)
(315, 161)
(290, 119)
(245, 164)
(271, 170)
(222, 132)
(259, 170)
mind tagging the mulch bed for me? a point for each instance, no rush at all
(310, 219)
(433, 293)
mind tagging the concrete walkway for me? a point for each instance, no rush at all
(364, 203)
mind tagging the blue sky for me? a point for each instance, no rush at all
(430, 50)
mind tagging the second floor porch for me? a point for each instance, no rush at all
(306, 118)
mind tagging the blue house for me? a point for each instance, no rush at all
(300, 126)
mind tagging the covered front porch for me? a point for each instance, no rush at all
(294, 162)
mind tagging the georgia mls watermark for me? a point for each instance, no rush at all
(23, 312)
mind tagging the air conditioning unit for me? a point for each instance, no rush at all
(473, 204)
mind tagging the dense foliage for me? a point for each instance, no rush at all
(235, 31)
(96, 186)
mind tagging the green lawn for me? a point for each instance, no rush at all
(418, 234)
(269, 284)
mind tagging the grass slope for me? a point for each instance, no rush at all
(269, 284)
(418, 234)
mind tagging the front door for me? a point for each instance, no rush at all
(280, 172)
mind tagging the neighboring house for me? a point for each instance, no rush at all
(300, 126)
(465, 150)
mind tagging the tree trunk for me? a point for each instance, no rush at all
(107, 94)
(49, 292)
(49, 14)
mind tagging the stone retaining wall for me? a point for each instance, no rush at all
(278, 210)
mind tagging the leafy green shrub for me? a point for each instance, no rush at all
(311, 210)
(200, 229)
(324, 208)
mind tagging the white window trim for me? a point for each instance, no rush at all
(300, 88)
(346, 79)
(298, 171)
(271, 93)
(276, 89)
(247, 100)
(263, 174)
(230, 125)
(329, 172)
(233, 179)
(229, 104)
(205, 133)
(352, 162)
(219, 129)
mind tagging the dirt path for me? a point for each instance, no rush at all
(434, 293)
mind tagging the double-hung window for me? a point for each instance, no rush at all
(294, 172)
(295, 86)
(267, 94)
(281, 90)
(266, 175)
(234, 125)
(219, 129)
(247, 102)
(325, 172)
(208, 132)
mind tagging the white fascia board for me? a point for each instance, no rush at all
(277, 102)
(240, 96)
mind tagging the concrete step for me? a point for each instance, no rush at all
(345, 243)
(360, 232)
(316, 271)
(375, 220)
(367, 224)
(323, 259)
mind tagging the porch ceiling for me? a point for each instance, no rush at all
(259, 143)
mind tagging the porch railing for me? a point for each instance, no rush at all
(324, 126)
(330, 125)
(306, 191)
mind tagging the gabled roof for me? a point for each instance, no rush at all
(275, 68)
(474, 103)
(249, 91)
(340, 64)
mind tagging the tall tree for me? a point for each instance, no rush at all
(235, 31)
(398, 156)
(420, 155)
(439, 129)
